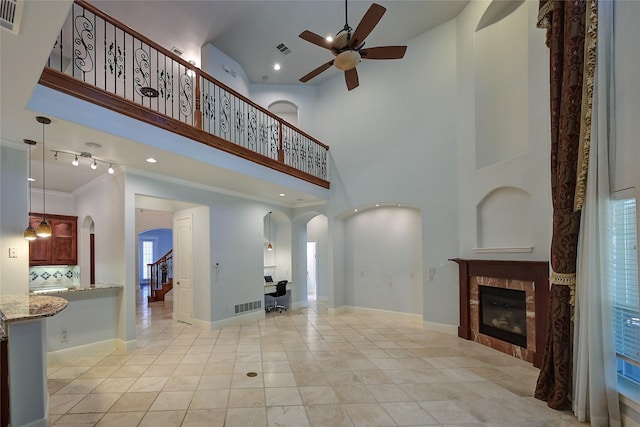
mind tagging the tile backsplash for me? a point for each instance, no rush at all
(54, 275)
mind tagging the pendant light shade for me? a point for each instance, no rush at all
(44, 229)
(29, 232)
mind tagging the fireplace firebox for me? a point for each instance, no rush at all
(503, 314)
(530, 277)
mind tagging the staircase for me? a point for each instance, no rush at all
(160, 277)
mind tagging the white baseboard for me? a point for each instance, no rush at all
(43, 422)
(336, 311)
(377, 312)
(68, 354)
(126, 346)
(440, 327)
(299, 304)
(252, 316)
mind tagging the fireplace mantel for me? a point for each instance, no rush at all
(531, 271)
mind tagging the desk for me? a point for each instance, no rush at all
(271, 287)
(269, 300)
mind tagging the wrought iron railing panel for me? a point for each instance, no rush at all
(100, 51)
(302, 153)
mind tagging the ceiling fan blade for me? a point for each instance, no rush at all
(384, 52)
(315, 39)
(367, 24)
(351, 77)
(315, 72)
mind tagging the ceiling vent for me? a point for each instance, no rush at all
(10, 14)
(174, 50)
(283, 49)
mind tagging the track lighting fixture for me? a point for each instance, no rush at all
(86, 155)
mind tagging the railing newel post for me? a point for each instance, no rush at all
(280, 149)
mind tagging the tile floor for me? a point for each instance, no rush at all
(313, 369)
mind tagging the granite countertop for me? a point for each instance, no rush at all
(63, 289)
(14, 308)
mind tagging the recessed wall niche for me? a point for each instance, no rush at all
(501, 82)
(285, 110)
(504, 220)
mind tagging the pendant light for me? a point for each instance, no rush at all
(29, 232)
(44, 229)
(269, 246)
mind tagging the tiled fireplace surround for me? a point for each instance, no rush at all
(529, 276)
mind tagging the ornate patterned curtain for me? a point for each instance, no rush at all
(570, 131)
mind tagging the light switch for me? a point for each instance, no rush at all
(13, 253)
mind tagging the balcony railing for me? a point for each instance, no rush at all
(103, 61)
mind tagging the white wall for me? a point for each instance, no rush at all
(228, 231)
(103, 200)
(384, 249)
(304, 97)
(396, 144)
(317, 231)
(224, 69)
(522, 172)
(90, 317)
(626, 155)
(13, 220)
(57, 202)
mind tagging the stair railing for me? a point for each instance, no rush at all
(160, 273)
(111, 59)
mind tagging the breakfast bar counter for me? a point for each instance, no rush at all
(25, 307)
(22, 322)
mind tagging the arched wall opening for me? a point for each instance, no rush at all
(87, 252)
(286, 110)
(382, 259)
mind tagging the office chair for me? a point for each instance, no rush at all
(281, 290)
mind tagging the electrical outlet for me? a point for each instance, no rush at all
(63, 336)
(13, 253)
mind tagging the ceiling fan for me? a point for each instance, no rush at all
(348, 46)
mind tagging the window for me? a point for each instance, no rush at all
(147, 257)
(624, 280)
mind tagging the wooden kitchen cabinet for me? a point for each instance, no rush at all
(61, 248)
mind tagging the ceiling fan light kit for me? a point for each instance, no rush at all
(347, 46)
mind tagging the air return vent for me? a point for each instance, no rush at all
(10, 14)
(177, 51)
(283, 48)
(248, 306)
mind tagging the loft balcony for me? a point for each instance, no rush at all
(100, 60)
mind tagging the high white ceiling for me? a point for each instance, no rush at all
(247, 31)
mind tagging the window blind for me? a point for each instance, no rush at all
(624, 286)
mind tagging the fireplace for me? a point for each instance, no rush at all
(520, 329)
(503, 314)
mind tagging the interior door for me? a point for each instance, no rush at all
(184, 269)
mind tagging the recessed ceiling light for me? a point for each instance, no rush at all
(151, 160)
(276, 66)
(355, 210)
(281, 194)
